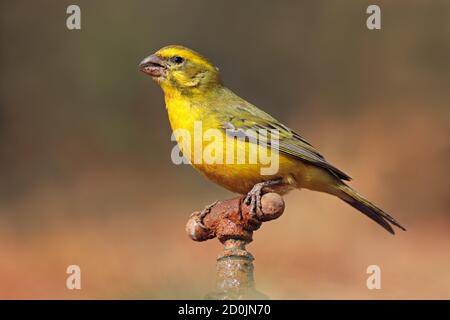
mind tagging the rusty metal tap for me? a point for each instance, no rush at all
(233, 224)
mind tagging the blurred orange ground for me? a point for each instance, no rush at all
(124, 226)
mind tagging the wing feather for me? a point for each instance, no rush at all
(248, 121)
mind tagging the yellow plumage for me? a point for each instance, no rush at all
(239, 178)
(194, 93)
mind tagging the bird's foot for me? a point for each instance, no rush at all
(202, 214)
(253, 198)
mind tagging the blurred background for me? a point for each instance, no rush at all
(86, 176)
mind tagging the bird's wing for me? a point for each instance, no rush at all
(245, 120)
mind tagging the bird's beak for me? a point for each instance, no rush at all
(153, 65)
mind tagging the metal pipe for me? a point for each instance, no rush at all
(231, 222)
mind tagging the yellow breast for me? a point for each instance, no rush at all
(235, 176)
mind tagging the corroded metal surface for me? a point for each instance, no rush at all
(230, 219)
(231, 222)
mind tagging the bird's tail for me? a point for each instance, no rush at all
(357, 201)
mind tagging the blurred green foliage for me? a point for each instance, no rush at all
(74, 99)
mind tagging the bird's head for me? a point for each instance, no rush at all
(182, 70)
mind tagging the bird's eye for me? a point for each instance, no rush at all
(177, 59)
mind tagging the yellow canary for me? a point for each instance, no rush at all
(194, 92)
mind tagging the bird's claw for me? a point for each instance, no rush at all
(253, 199)
(200, 215)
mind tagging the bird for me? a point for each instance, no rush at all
(194, 92)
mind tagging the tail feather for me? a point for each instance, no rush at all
(358, 202)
